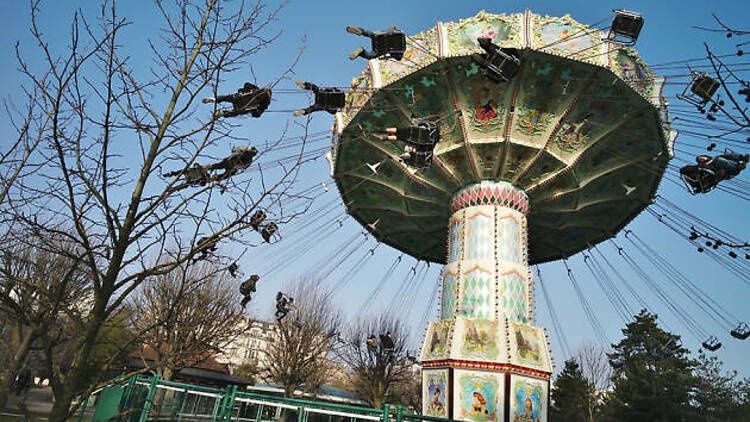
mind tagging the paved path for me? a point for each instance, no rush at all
(38, 401)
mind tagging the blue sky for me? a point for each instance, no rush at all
(667, 36)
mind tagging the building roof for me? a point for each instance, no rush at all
(326, 392)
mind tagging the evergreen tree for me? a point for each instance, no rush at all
(719, 396)
(653, 376)
(571, 395)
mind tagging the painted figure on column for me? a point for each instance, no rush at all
(478, 395)
(528, 402)
(436, 391)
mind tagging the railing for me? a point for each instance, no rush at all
(141, 399)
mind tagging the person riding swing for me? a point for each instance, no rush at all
(707, 174)
(248, 288)
(247, 100)
(240, 159)
(328, 99)
(390, 43)
(283, 304)
(420, 142)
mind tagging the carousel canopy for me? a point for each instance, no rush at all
(580, 127)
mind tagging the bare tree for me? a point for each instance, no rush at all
(596, 369)
(733, 86)
(110, 126)
(30, 124)
(377, 367)
(40, 292)
(186, 316)
(298, 356)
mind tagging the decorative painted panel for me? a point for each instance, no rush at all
(478, 396)
(448, 295)
(437, 343)
(435, 392)
(501, 29)
(528, 399)
(479, 339)
(509, 233)
(528, 346)
(513, 302)
(455, 246)
(421, 50)
(477, 292)
(491, 193)
(480, 242)
(633, 71)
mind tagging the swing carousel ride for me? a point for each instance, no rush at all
(557, 155)
(500, 142)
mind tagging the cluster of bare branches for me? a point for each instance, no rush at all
(379, 373)
(598, 372)
(728, 102)
(185, 317)
(98, 130)
(42, 293)
(305, 339)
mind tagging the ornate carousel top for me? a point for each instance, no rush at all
(580, 128)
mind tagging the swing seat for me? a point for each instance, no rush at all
(742, 331)
(500, 66)
(392, 44)
(268, 231)
(331, 99)
(703, 182)
(626, 27)
(419, 160)
(257, 219)
(712, 344)
(704, 87)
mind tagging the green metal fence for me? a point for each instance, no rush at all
(141, 399)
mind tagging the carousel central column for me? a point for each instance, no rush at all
(484, 360)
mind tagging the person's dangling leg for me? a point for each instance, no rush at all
(360, 31)
(225, 98)
(308, 86)
(218, 99)
(369, 55)
(306, 111)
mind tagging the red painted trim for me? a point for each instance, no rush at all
(487, 366)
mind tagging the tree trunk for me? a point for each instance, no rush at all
(77, 377)
(21, 342)
(4, 391)
(61, 406)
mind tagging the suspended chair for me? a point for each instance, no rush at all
(257, 219)
(703, 180)
(625, 28)
(702, 88)
(741, 332)
(268, 231)
(712, 344)
(498, 64)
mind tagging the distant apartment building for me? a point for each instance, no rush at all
(251, 345)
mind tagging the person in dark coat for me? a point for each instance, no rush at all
(328, 99)
(710, 171)
(247, 100)
(389, 43)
